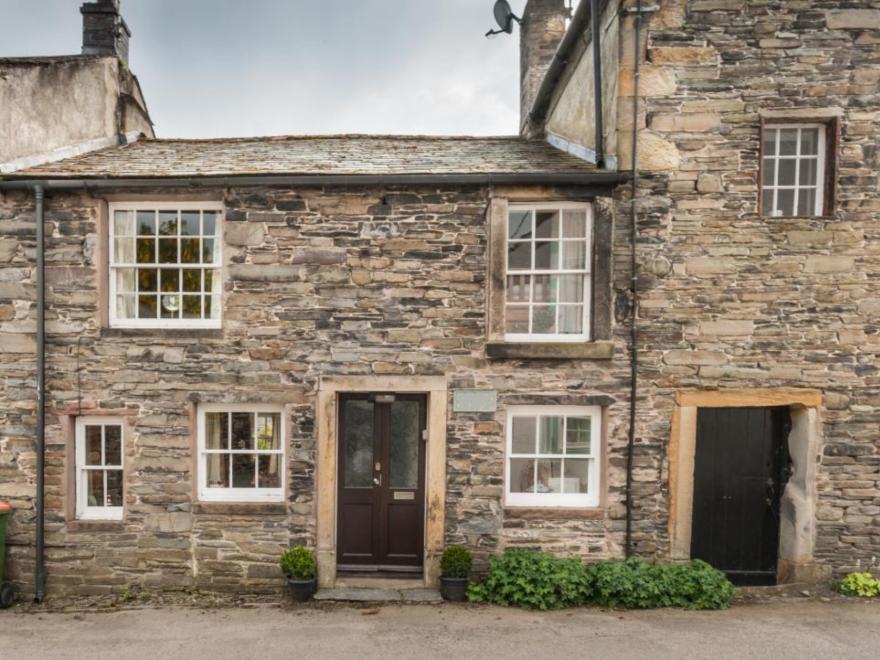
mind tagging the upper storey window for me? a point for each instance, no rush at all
(165, 265)
(548, 273)
(794, 166)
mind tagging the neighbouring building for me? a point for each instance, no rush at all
(380, 345)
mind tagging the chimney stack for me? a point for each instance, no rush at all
(542, 29)
(104, 30)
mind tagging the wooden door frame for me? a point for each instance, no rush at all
(329, 387)
(797, 531)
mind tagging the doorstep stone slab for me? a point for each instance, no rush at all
(362, 595)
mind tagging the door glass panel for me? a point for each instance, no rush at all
(404, 449)
(358, 443)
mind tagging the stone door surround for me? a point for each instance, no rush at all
(327, 418)
(797, 530)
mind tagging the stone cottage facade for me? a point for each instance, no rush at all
(381, 345)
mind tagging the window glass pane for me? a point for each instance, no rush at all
(518, 288)
(212, 307)
(268, 430)
(807, 175)
(124, 250)
(217, 467)
(146, 250)
(242, 430)
(169, 279)
(146, 223)
(767, 203)
(167, 223)
(550, 435)
(148, 307)
(547, 224)
(192, 280)
(209, 222)
(571, 288)
(574, 255)
(114, 487)
(192, 307)
(148, 279)
(577, 435)
(519, 256)
(123, 223)
(113, 445)
(546, 288)
(809, 141)
(574, 223)
(167, 250)
(268, 475)
(216, 430)
(404, 444)
(522, 475)
(125, 280)
(244, 471)
(358, 443)
(189, 250)
(522, 435)
(807, 201)
(785, 202)
(786, 171)
(169, 306)
(571, 319)
(769, 141)
(93, 445)
(209, 255)
(547, 256)
(519, 224)
(576, 475)
(788, 141)
(544, 319)
(769, 171)
(549, 476)
(189, 223)
(125, 307)
(516, 319)
(95, 488)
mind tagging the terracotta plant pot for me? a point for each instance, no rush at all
(453, 589)
(302, 590)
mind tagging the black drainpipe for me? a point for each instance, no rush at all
(40, 565)
(634, 292)
(597, 82)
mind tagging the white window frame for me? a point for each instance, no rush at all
(239, 494)
(83, 510)
(585, 500)
(772, 190)
(160, 323)
(587, 273)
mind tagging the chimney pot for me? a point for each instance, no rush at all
(104, 30)
(542, 29)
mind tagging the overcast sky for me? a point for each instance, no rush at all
(268, 67)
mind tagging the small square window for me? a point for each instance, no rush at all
(553, 456)
(794, 163)
(99, 451)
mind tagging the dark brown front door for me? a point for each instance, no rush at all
(381, 499)
(740, 471)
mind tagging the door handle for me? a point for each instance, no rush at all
(377, 481)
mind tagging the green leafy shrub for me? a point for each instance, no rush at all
(534, 580)
(298, 563)
(538, 580)
(860, 584)
(455, 562)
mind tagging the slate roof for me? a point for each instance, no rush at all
(314, 155)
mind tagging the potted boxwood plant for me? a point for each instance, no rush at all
(298, 564)
(455, 569)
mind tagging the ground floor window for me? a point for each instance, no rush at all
(99, 472)
(241, 453)
(553, 456)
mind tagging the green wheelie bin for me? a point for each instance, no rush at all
(6, 593)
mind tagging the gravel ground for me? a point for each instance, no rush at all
(777, 628)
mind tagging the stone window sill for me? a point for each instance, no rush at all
(552, 513)
(592, 350)
(241, 508)
(162, 333)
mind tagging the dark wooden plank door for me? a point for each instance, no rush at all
(740, 469)
(381, 497)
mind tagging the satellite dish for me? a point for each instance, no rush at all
(504, 16)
